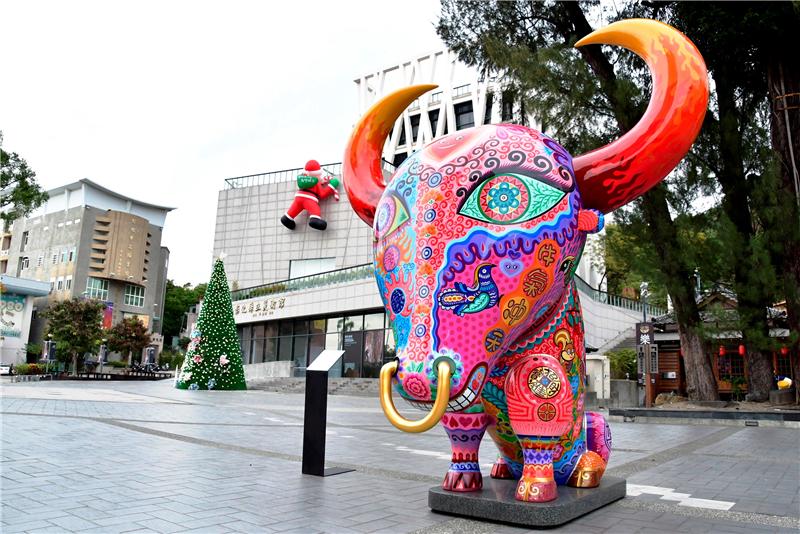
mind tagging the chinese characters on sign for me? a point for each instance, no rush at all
(645, 334)
(259, 308)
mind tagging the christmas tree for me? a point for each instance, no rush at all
(213, 359)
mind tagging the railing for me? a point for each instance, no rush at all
(313, 281)
(461, 90)
(276, 177)
(615, 300)
(365, 271)
(290, 175)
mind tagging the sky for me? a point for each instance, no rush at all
(161, 101)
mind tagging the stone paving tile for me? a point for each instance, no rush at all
(241, 473)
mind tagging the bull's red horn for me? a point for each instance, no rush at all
(617, 173)
(361, 168)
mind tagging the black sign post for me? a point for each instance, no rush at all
(645, 339)
(315, 420)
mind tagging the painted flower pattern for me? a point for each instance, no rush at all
(417, 386)
(211, 383)
(194, 387)
(223, 360)
(197, 358)
(503, 198)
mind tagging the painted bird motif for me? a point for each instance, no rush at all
(462, 299)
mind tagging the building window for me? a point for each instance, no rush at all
(97, 288)
(24, 241)
(68, 283)
(464, 115)
(39, 261)
(55, 258)
(26, 262)
(52, 284)
(134, 296)
(298, 268)
(414, 128)
(433, 117)
(71, 257)
(60, 283)
(507, 107)
(64, 256)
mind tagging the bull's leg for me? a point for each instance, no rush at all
(540, 409)
(465, 431)
(592, 464)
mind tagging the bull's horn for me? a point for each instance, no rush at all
(615, 174)
(439, 405)
(361, 167)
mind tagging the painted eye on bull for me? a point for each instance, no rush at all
(392, 214)
(510, 198)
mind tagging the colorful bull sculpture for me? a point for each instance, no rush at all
(477, 238)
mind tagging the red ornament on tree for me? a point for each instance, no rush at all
(742, 350)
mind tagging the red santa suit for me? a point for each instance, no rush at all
(309, 196)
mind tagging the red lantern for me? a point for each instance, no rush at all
(741, 350)
(721, 350)
(784, 351)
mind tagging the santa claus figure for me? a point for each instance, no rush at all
(312, 187)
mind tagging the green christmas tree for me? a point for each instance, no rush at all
(213, 359)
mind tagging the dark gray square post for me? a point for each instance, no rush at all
(315, 420)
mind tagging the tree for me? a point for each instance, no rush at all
(20, 192)
(177, 301)
(129, 336)
(76, 327)
(587, 103)
(214, 358)
(753, 168)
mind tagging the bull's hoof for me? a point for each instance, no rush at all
(462, 481)
(536, 490)
(588, 472)
(500, 469)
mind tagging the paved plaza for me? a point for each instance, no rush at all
(144, 457)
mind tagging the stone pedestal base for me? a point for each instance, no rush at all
(496, 502)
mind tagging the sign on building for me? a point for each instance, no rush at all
(11, 314)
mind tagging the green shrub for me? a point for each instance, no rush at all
(177, 361)
(29, 369)
(623, 361)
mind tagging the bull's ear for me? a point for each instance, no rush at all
(361, 167)
(617, 173)
(590, 221)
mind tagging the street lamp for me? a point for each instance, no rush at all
(103, 354)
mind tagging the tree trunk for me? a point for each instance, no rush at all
(130, 358)
(700, 381)
(759, 376)
(74, 364)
